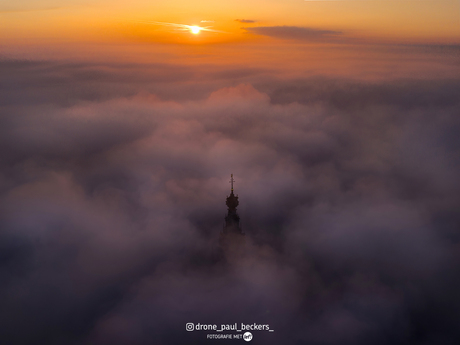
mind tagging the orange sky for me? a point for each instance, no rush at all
(117, 21)
(351, 38)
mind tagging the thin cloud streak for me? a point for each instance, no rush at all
(246, 21)
(181, 27)
(31, 10)
(295, 33)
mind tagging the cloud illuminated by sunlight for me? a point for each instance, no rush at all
(194, 29)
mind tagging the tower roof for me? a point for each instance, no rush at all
(232, 200)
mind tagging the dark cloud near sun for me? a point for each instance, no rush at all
(294, 32)
(246, 21)
(113, 180)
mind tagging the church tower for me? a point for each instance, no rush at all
(232, 231)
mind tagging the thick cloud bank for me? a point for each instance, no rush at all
(113, 182)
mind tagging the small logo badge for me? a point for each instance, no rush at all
(247, 336)
(189, 326)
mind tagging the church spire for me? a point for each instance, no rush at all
(231, 181)
(231, 239)
(232, 220)
(232, 200)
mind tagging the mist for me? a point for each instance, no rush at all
(113, 181)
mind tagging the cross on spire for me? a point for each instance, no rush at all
(231, 181)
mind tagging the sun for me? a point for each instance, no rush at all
(195, 29)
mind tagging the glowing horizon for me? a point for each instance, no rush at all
(403, 21)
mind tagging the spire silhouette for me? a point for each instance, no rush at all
(231, 181)
(232, 220)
